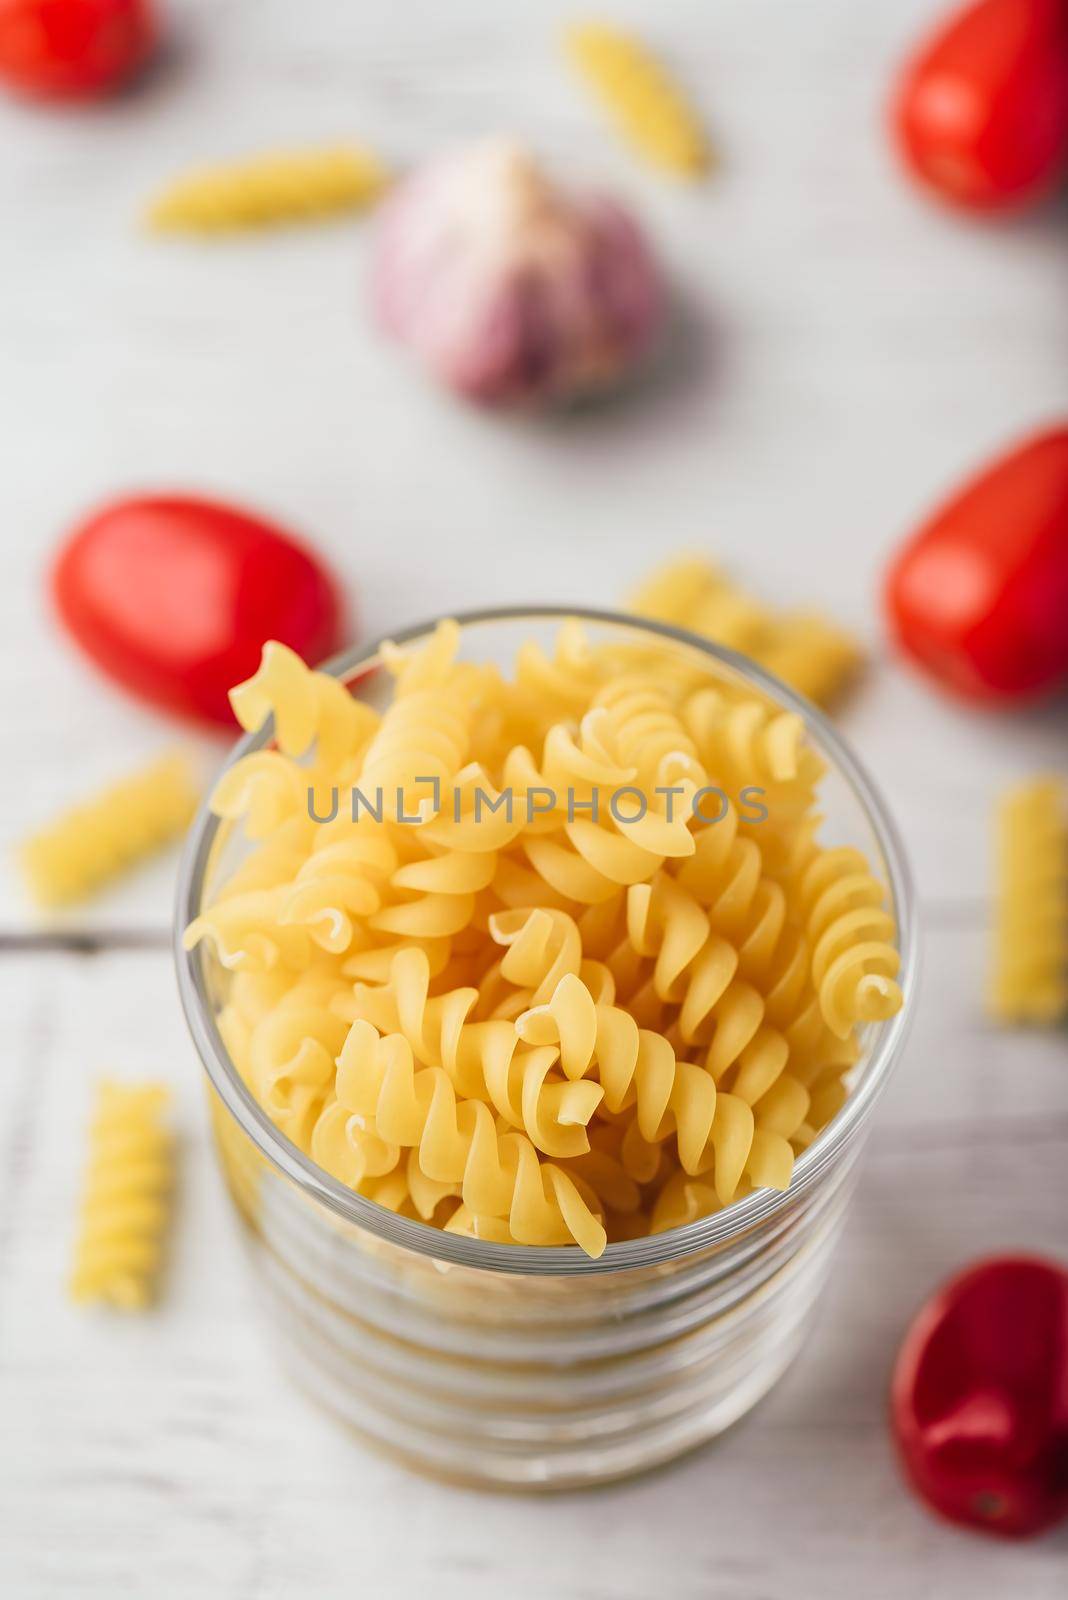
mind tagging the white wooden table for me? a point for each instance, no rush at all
(850, 351)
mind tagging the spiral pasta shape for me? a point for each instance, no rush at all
(648, 107)
(310, 709)
(755, 751)
(424, 737)
(349, 1147)
(721, 1012)
(264, 791)
(747, 739)
(813, 655)
(124, 1206)
(499, 1175)
(542, 947)
(476, 818)
(726, 877)
(691, 593)
(274, 863)
(92, 843)
(854, 965)
(603, 932)
(488, 999)
(451, 861)
(483, 1059)
(638, 721)
(715, 1131)
(292, 1054)
(341, 884)
(268, 190)
(768, 1020)
(808, 651)
(586, 858)
(548, 688)
(1030, 978)
(249, 932)
(751, 916)
(694, 967)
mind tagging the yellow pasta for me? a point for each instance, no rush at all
(1030, 977)
(498, 1175)
(125, 1201)
(808, 651)
(88, 845)
(647, 106)
(270, 189)
(813, 655)
(715, 1131)
(854, 962)
(484, 994)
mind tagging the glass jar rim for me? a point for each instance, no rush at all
(650, 1250)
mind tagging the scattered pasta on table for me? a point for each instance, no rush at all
(270, 190)
(126, 1197)
(648, 107)
(804, 648)
(1030, 976)
(90, 844)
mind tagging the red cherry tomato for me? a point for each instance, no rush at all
(979, 596)
(73, 49)
(979, 1400)
(174, 597)
(981, 113)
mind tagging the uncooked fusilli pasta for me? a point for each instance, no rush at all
(269, 190)
(125, 1200)
(806, 650)
(648, 107)
(488, 996)
(1030, 978)
(93, 842)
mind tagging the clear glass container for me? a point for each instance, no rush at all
(538, 1368)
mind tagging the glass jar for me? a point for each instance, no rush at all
(526, 1367)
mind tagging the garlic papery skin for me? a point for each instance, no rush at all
(510, 288)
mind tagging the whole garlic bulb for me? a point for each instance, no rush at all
(509, 288)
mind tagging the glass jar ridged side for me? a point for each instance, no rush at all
(525, 1367)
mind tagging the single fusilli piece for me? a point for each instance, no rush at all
(125, 1199)
(268, 190)
(309, 708)
(648, 107)
(813, 655)
(854, 960)
(86, 846)
(808, 651)
(1030, 979)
